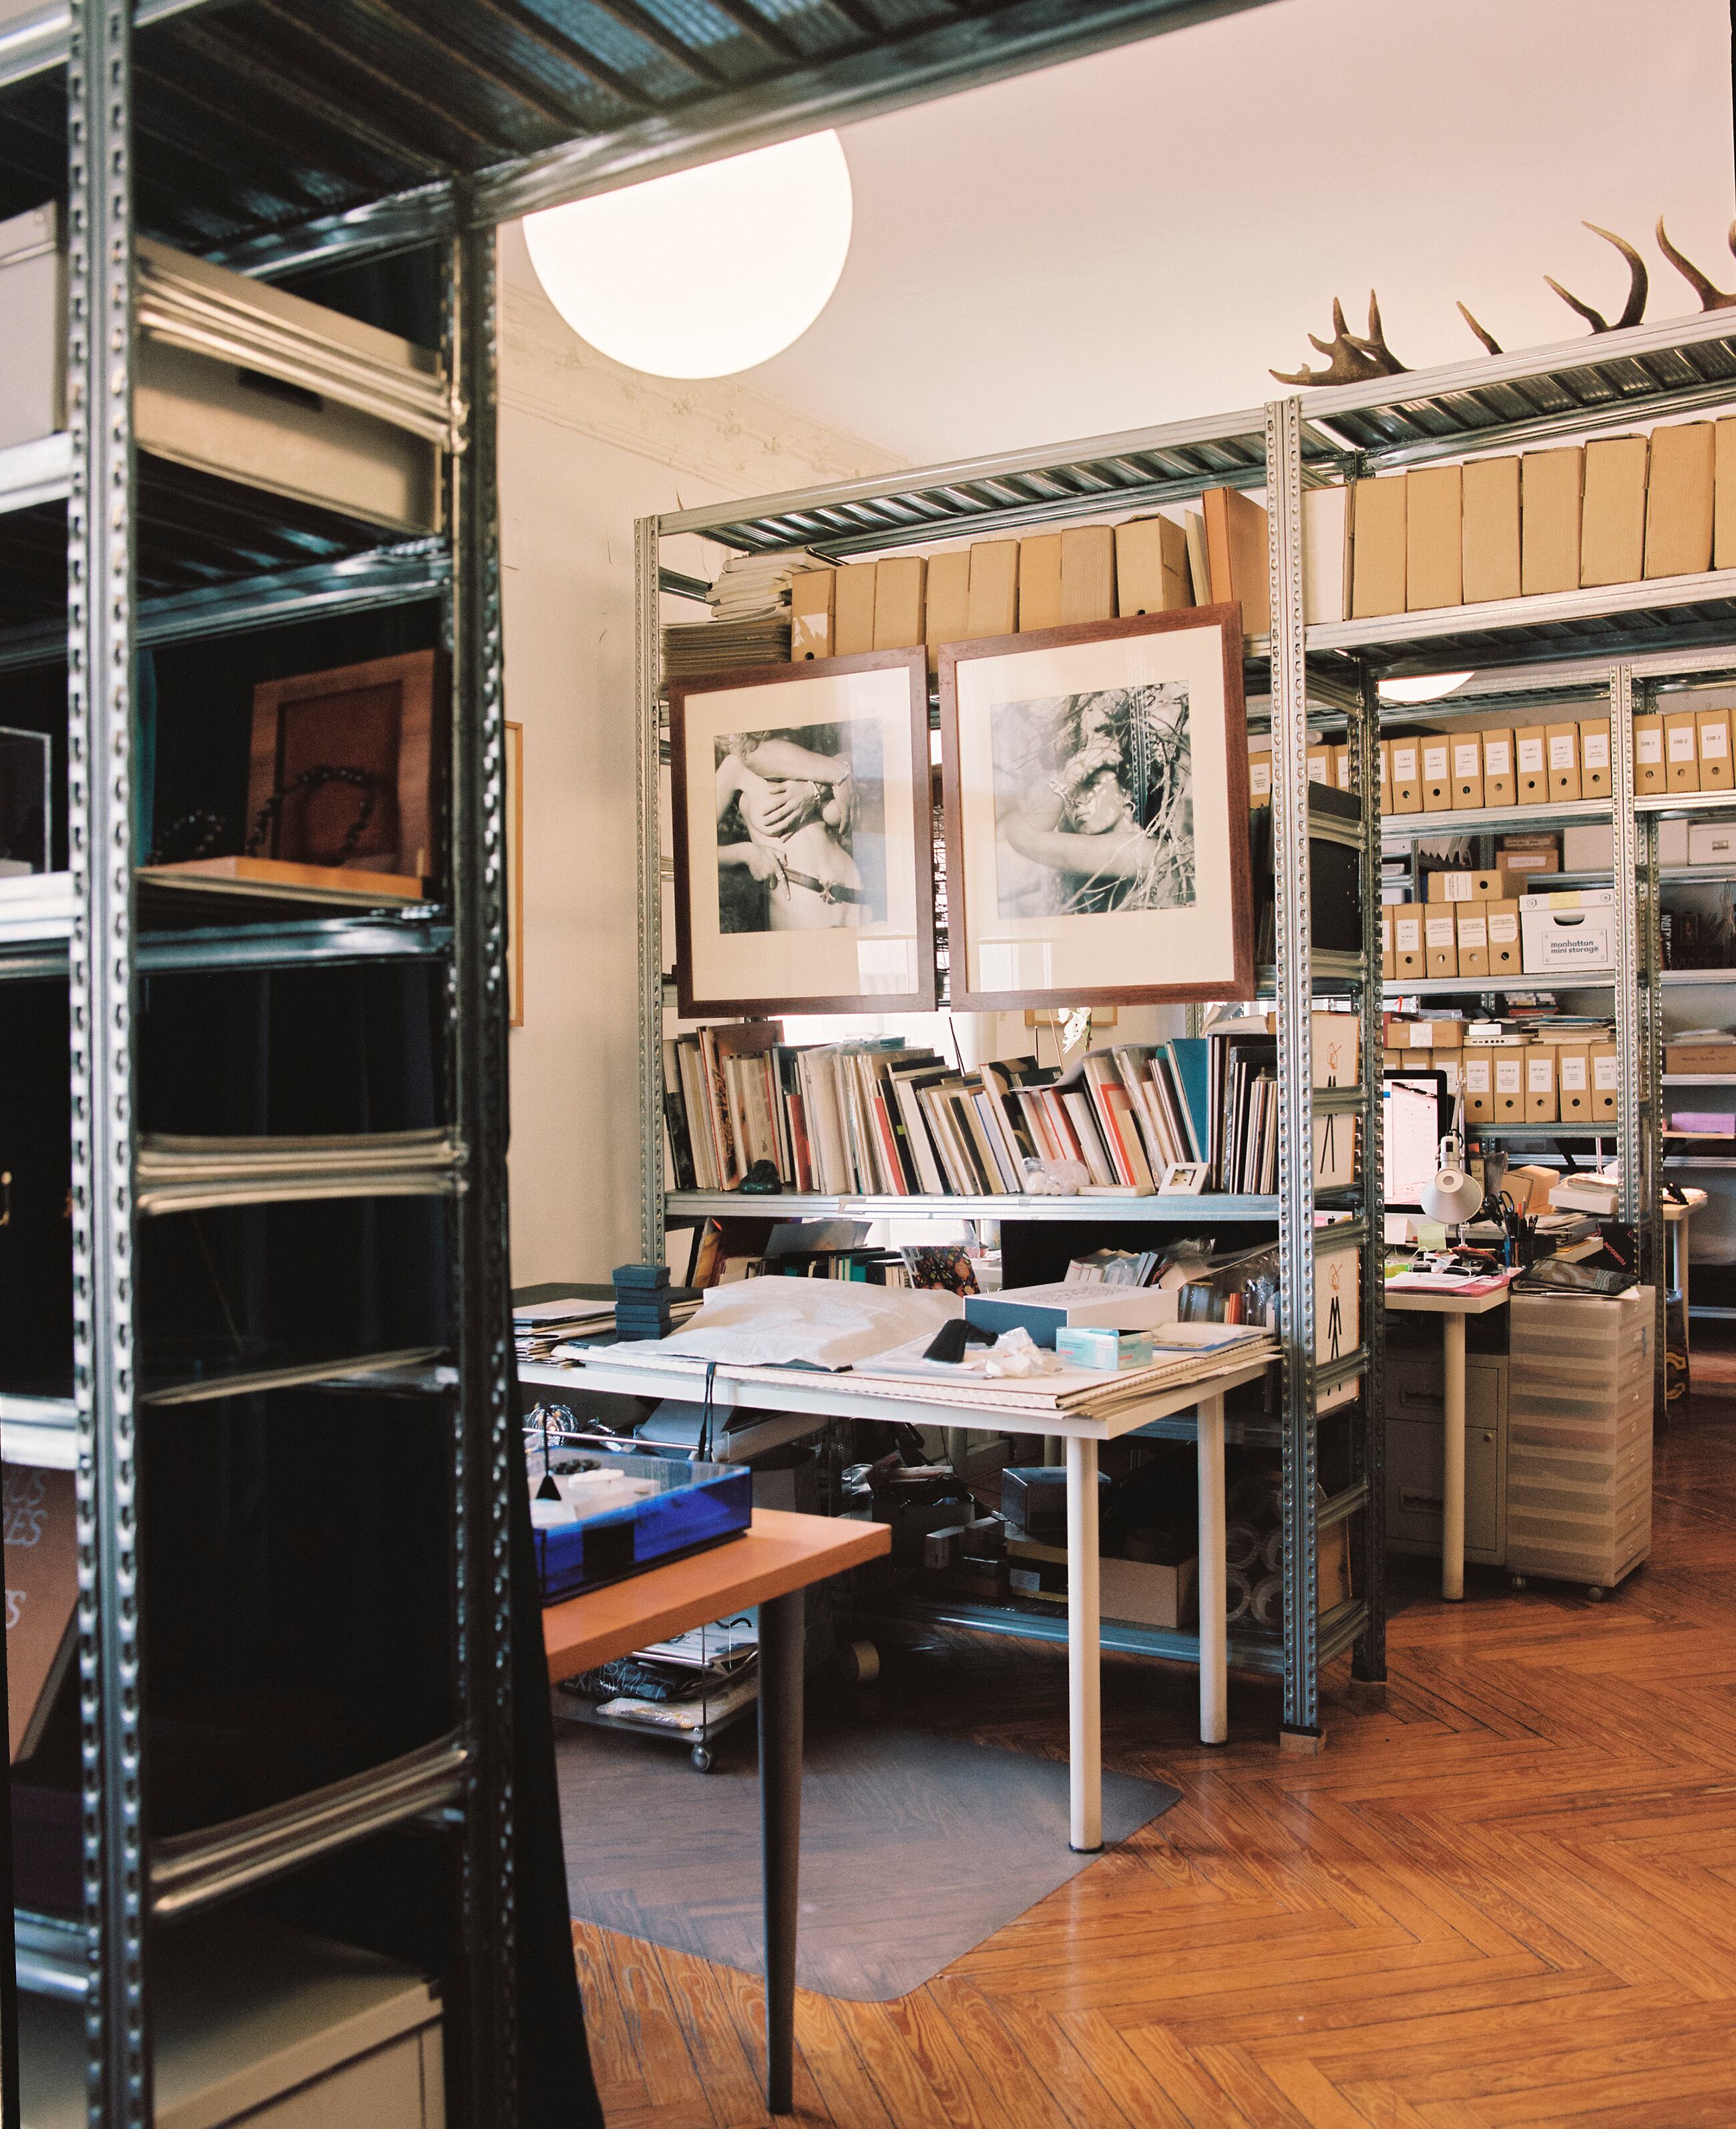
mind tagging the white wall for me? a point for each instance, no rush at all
(585, 448)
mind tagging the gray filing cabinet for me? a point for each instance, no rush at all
(1415, 1416)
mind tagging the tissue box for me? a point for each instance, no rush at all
(691, 1508)
(1097, 1346)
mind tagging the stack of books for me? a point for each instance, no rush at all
(750, 617)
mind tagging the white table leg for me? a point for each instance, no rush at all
(1084, 1650)
(1452, 1517)
(1213, 1626)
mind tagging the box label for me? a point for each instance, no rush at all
(1594, 749)
(1715, 742)
(1473, 933)
(1476, 1075)
(1539, 1073)
(1441, 931)
(1467, 759)
(1435, 762)
(1560, 750)
(1503, 930)
(1530, 757)
(1498, 758)
(1681, 745)
(1604, 1074)
(1458, 886)
(1508, 1076)
(1573, 1075)
(1319, 768)
(1259, 777)
(1648, 746)
(1407, 933)
(1403, 764)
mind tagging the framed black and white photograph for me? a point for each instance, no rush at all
(1097, 813)
(804, 853)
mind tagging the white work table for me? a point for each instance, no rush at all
(828, 1397)
(1453, 1308)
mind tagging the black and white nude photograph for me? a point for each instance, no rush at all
(800, 828)
(1093, 798)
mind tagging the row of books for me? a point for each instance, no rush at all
(876, 1118)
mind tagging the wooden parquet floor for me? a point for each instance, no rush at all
(1505, 1895)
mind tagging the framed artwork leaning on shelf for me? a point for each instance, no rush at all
(1097, 813)
(804, 846)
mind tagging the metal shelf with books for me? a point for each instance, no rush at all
(1176, 1207)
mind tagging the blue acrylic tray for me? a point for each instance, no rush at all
(695, 1507)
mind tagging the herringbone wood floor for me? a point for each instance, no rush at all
(1505, 1895)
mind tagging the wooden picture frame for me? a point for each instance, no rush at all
(515, 752)
(1127, 738)
(376, 718)
(828, 907)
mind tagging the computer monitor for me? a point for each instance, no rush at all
(1417, 1114)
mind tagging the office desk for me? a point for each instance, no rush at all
(849, 1397)
(770, 1566)
(1453, 1308)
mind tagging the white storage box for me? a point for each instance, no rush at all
(1569, 933)
(238, 378)
(1710, 843)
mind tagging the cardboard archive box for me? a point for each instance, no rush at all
(1531, 762)
(1712, 741)
(1679, 500)
(1573, 1082)
(1648, 762)
(1549, 504)
(1540, 1096)
(1259, 779)
(1605, 1079)
(852, 608)
(1468, 771)
(1478, 1074)
(1151, 567)
(1680, 752)
(1407, 775)
(1437, 766)
(992, 608)
(1490, 545)
(1569, 934)
(1440, 938)
(1341, 761)
(1509, 1100)
(899, 584)
(1377, 546)
(1039, 582)
(1612, 544)
(1434, 531)
(1500, 785)
(1383, 758)
(810, 614)
(946, 617)
(1326, 556)
(1563, 743)
(1456, 884)
(1594, 758)
(1505, 955)
(1089, 573)
(1409, 954)
(1320, 765)
(1389, 964)
(1473, 938)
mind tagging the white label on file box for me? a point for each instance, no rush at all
(1503, 929)
(1573, 1075)
(1606, 1074)
(1476, 1075)
(1560, 750)
(1649, 746)
(1508, 1076)
(1497, 757)
(1319, 768)
(1434, 763)
(1681, 743)
(1458, 886)
(1408, 935)
(1594, 749)
(1259, 775)
(1403, 764)
(1467, 759)
(1714, 741)
(1539, 1073)
(1473, 933)
(1440, 932)
(1530, 757)
(1344, 762)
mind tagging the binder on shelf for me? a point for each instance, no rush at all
(1594, 758)
(1468, 771)
(852, 608)
(1549, 504)
(1723, 493)
(1531, 761)
(1501, 788)
(1433, 537)
(1440, 938)
(1089, 573)
(993, 609)
(1680, 753)
(898, 589)
(1490, 550)
(1377, 546)
(1473, 938)
(1679, 505)
(1437, 764)
(1151, 566)
(946, 612)
(1712, 738)
(811, 595)
(1563, 743)
(1326, 553)
(1541, 1103)
(1239, 555)
(1039, 582)
(1648, 762)
(1407, 776)
(1612, 541)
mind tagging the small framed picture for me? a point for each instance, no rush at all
(804, 841)
(1184, 1179)
(1097, 813)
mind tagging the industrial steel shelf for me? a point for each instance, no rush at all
(1477, 986)
(419, 934)
(1490, 820)
(1179, 1208)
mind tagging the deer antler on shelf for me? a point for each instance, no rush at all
(1634, 309)
(1487, 338)
(1710, 298)
(1354, 360)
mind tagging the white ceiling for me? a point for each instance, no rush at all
(1136, 237)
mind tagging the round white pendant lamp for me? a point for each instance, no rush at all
(707, 271)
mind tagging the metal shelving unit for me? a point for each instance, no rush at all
(1277, 448)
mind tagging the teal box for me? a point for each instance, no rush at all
(1096, 1345)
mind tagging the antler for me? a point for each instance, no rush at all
(1353, 360)
(1487, 338)
(1710, 298)
(1635, 307)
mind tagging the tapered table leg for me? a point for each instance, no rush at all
(1084, 1651)
(1453, 1491)
(1214, 1623)
(780, 1638)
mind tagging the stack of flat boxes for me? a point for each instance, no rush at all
(642, 1302)
(1579, 1435)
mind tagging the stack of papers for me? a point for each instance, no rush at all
(557, 1329)
(750, 617)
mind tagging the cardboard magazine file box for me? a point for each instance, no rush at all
(1388, 962)
(1259, 779)
(1407, 776)
(1479, 1085)
(1473, 938)
(1341, 759)
(1505, 955)
(1569, 934)
(1541, 1106)
(1468, 771)
(1440, 938)
(1712, 737)
(1490, 560)
(1531, 762)
(1509, 1082)
(1648, 767)
(812, 594)
(1417, 1060)
(1594, 758)
(1680, 752)
(1409, 956)
(1320, 765)
(1573, 1082)
(1436, 775)
(1500, 785)
(1605, 1079)
(1564, 760)
(1457, 885)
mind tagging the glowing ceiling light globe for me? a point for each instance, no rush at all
(1427, 687)
(707, 271)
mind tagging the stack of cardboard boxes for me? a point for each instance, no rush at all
(1469, 926)
(1516, 1078)
(1532, 765)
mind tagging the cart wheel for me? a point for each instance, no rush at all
(1516, 1582)
(858, 1663)
(702, 1759)
(1594, 1592)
